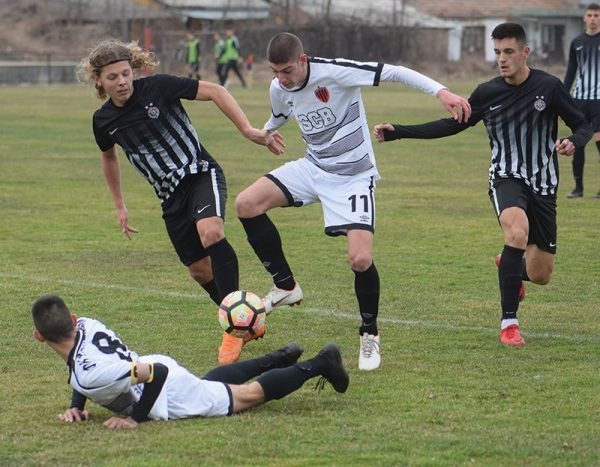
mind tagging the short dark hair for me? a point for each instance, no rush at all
(52, 318)
(510, 31)
(283, 48)
(592, 6)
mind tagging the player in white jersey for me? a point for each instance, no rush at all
(156, 387)
(338, 170)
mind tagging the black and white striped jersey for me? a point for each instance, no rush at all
(522, 126)
(330, 112)
(155, 132)
(584, 67)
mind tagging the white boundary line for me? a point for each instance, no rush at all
(336, 314)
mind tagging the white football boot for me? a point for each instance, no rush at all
(277, 297)
(369, 357)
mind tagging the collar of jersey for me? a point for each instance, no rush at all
(70, 358)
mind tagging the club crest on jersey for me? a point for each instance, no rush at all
(322, 94)
(153, 112)
(540, 104)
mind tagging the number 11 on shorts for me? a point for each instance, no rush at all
(365, 200)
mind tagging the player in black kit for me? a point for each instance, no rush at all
(146, 118)
(584, 70)
(520, 109)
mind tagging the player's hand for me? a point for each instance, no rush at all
(119, 423)
(273, 141)
(380, 129)
(124, 224)
(74, 415)
(565, 147)
(277, 145)
(458, 106)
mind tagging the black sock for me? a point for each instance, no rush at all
(266, 242)
(213, 291)
(224, 267)
(279, 383)
(598, 146)
(509, 278)
(240, 372)
(524, 274)
(578, 163)
(366, 287)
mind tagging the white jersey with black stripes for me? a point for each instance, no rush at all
(330, 112)
(100, 368)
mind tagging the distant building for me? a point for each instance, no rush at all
(550, 24)
(219, 10)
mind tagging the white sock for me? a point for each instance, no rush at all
(507, 322)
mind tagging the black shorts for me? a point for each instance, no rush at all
(540, 210)
(197, 196)
(195, 66)
(591, 111)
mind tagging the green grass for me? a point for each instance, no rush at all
(447, 393)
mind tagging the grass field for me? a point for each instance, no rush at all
(447, 392)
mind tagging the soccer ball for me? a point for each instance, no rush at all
(242, 314)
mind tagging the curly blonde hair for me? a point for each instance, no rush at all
(112, 51)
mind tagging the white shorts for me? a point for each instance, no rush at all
(348, 201)
(185, 395)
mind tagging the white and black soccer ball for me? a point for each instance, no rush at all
(242, 314)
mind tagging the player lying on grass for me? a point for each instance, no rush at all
(337, 170)
(520, 109)
(156, 387)
(146, 118)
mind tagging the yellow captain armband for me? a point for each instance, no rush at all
(151, 377)
(134, 373)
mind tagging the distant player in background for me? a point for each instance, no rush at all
(146, 118)
(520, 109)
(338, 169)
(220, 58)
(583, 69)
(193, 55)
(232, 53)
(156, 387)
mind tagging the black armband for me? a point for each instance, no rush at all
(78, 400)
(150, 393)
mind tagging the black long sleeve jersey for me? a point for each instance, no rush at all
(522, 125)
(584, 67)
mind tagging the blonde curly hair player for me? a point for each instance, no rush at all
(112, 51)
(146, 118)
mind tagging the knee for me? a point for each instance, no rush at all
(211, 234)
(360, 262)
(540, 276)
(244, 206)
(210, 231)
(516, 236)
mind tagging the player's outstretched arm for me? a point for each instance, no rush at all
(112, 174)
(208, 91)
(430, 130)
(456, 105)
